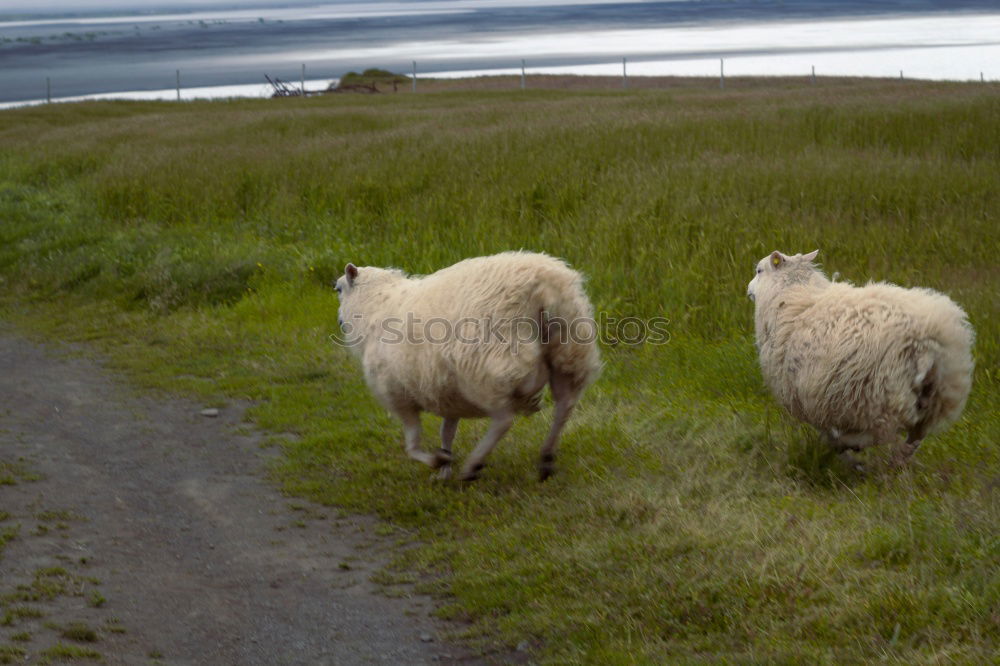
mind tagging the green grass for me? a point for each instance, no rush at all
(58, 515)
(64, 652)
(79, 631)
(13, 472)
(690, 519)
(48, 583)
(113, 626)
(17, 613)
(8, 533)
(11, 654)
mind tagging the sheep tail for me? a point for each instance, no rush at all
(942, 379)
(569, 331)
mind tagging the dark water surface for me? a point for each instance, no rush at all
(90, 49)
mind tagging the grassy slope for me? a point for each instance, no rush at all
(691, 519)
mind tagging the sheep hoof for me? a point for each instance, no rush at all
(444, 473)
(547, 467)
(852, 462)
(442, 458)
(904, 454)
(473, 473)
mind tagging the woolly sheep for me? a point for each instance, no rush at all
(480, 338)
(860, 364)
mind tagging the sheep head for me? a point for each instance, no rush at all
(777, 271)
(345, 287)
(346, 281)
(363, 293)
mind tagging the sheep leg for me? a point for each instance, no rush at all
(905, 452)
(498, 428)
(411, 439)
(849, 441)
(565, 398)
(851, 461)
(448, 429)
(913, 439)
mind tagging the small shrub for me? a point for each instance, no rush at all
(78, 631)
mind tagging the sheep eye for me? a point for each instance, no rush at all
(759, 271)
(337, 288)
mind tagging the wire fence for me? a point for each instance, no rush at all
(283, 88)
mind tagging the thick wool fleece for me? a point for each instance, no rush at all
(869, 360)
(467, 340)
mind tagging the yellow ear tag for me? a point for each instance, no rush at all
(776, 260)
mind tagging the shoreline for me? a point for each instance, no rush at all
(496, 82)
(664, 39)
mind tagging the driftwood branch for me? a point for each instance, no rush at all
(286, 89)
(283, 88)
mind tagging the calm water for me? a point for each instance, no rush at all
(87, 46)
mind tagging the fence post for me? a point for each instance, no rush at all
(303, 79)
(814, 75)
(624, 73)
(48, 90)
(900, 75)
(981, 79)
(414, 76)
(722, 74)
(524, 83)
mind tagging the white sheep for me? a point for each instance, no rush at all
(480, 338)
(860, 364)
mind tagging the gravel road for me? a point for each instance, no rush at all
(152, 529)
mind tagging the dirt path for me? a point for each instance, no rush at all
(145, 525)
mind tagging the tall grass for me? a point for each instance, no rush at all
(691, 519)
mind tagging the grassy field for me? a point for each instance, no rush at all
(691, 520)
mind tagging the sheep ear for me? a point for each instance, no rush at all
(351, 273)
(777, 259)
(811, 255)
